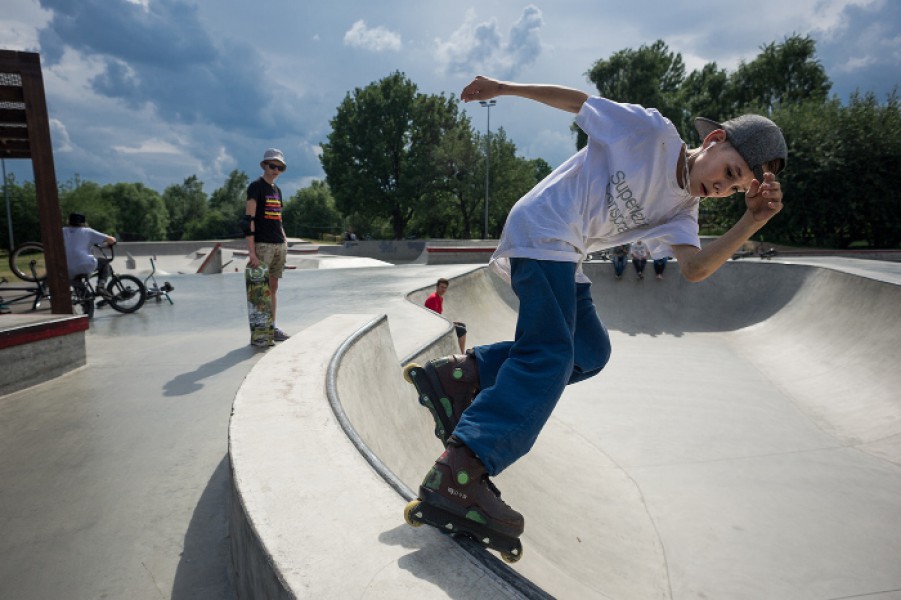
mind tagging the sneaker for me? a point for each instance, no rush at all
(280, 336)
(458, 484)
(103, 292)
(4, 309)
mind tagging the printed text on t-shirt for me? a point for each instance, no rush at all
(624, 207)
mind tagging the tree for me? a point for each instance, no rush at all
(86, 197)
(311, 212)
(379, 158)
(185, 203)
(650, 76)
(786, 73)
(142, 212)
(24, 208)
(463, 185)
(511, 177)
(214, 225)
(231, 198)
(704, 93)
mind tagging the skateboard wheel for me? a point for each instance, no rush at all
(408, 377)
(410, 514)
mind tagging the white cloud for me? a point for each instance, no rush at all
(830, 16)
(20, 24)
(145, 4)
(375, 39)
(151, 146)
(60, 136)
(480, 47)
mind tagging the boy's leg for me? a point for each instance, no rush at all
(104, 271)
(591, 344)
(504, 420)
(591, 341)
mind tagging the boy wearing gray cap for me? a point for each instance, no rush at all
(262, 225)
(636, 179)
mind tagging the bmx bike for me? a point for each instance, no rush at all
(126, 293)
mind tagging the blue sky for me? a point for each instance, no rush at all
(158, 90)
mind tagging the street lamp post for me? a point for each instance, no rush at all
(487, 105)
(9, 214)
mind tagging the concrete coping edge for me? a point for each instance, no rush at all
(493, 566)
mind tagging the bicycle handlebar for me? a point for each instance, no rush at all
(103, 247)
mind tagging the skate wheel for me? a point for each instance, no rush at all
(409, 367)
(511, 556)
(410, 514)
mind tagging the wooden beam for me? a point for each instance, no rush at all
(11, 93)
(13, 115)
(45, 182)
(11, 154)
(13, 133)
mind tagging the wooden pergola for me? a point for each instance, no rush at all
(25, 133)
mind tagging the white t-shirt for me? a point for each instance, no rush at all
(620, 188)
(78, 242)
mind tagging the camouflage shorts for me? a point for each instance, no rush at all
(274, 256)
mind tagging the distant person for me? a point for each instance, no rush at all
(262, 225)
(350, 236)
(640, 255)
(660, 266)
(618, 257)
(435, 302)
(79, 241)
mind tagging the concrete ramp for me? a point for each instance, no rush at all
(744, 442)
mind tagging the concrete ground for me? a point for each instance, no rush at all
(115, 477)
(744, 442)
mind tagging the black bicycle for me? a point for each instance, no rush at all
(126, 293)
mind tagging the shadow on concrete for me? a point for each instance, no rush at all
(188, 383)
(204, 570)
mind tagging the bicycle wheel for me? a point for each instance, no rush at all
(83, 300)
(27, 262)
(127, 293)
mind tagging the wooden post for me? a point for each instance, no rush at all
(28, 66)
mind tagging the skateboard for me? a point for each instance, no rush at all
(259, 306)
(418, 512)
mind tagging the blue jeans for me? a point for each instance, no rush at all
(619, 265)
(559, 340)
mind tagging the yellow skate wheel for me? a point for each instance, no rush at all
(410, 514)
(513, 555)
(409, 367)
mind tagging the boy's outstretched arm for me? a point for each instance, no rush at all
(564, 98)
(763, 200)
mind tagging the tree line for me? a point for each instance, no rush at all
(400, 163)
(842, 158)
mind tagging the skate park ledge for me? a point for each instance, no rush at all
(35, 348)
(310, 515)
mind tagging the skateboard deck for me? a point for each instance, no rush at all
(259, 306)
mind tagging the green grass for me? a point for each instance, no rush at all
(5, 271)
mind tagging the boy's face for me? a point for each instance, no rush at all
(718, 170)
(441, 288)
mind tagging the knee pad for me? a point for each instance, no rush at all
(245, 222)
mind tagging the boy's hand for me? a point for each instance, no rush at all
(480, 88)
(764, 200)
